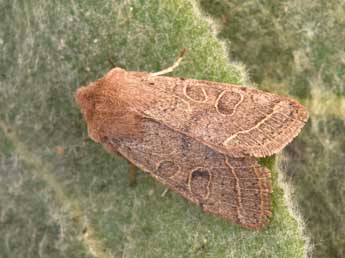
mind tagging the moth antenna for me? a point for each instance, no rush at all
(164, 192)
(171, 68)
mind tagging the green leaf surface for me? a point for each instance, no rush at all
(297, 48)
(62, 195)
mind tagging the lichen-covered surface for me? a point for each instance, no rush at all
(297, 47)
(61, 195)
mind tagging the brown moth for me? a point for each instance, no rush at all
(198, 138)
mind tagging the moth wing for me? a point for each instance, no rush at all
(237, 189)
(236, 120)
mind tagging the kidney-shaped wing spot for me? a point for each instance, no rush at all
(199, 182)
(228, 101)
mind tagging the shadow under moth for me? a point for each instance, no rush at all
(199, 138)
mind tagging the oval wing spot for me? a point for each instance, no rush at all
(199, 183)
(167, 168)
(228, 101)
(197, 94)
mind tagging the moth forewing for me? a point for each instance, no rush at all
(236, 120)
(237, 189)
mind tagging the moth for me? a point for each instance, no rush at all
(198, 138)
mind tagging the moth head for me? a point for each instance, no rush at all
(105, 111)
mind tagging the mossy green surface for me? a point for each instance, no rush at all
(62, 195)
(297, 48)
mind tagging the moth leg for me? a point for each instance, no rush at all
(132, 171)
(111, 63)
(171, 68)
(132, 174)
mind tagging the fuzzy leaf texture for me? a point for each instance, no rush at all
(300, 52)
(61, 195)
